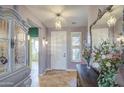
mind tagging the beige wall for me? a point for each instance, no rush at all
(92, 15)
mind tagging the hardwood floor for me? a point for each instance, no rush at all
(53, 78)
(58, 78)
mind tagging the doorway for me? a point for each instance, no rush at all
(58, 50)
(34, 56)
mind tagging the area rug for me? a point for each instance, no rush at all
(58, 78)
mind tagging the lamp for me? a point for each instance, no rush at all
(44, 41)
(58, 22)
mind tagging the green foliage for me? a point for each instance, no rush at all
(109, 60)
(107, 74)
(108, 56)
(86, 53)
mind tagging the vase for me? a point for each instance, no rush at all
(88, 66)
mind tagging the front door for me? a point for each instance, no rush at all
(58, 50)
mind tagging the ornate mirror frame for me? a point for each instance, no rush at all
(99, 16)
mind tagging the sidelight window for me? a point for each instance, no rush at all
(76, 46)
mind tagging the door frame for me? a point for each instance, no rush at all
(30, 51)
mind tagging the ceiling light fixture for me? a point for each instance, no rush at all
(58, 22)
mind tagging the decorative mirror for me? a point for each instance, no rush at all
(107, 26)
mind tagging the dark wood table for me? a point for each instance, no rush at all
(86, 77)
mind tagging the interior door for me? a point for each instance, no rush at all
(58, 50)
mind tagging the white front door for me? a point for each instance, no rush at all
(58, 50)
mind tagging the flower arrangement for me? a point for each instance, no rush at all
(109, 58)
(86, 53)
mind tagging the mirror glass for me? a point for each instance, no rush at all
(3, 46)
(20, 48)
(109, 27)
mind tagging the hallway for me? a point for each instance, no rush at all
(41, 46)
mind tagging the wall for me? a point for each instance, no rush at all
(92, 15)
(70, 65)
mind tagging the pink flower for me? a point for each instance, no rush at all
(116, 56)
(109, 56)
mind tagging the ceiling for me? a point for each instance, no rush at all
(72, 15)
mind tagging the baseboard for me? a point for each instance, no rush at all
(45, 72)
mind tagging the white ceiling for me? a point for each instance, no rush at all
(69, 13)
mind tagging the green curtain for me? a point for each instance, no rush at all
(33, 32)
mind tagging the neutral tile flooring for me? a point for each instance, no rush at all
(58, 78)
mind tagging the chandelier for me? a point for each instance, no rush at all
(58, 22)
(111, 21)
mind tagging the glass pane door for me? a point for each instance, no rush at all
(3, 46)
(19, 47)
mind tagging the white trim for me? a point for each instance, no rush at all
(78, 46)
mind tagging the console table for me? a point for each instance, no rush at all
(86, 77)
